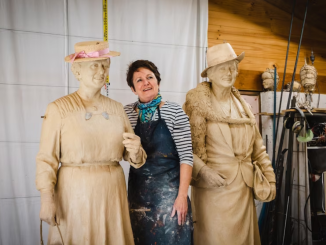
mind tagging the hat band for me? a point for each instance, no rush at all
(218, 60)
(95, 54)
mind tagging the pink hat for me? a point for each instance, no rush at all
(91, 50)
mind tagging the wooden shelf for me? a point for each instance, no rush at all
(317, 110)
(269, 114)
(316, 147)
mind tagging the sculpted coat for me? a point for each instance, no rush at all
(225, 215)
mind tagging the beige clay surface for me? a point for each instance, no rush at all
(88, 134)
(225, 142)
(268, 79)
(308, 75)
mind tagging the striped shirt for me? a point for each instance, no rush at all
(178, 124)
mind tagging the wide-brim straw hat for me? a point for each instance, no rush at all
(219, 54)
(91, 50)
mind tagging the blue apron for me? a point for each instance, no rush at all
(154, 188)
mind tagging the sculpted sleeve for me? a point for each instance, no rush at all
(198, 134)
(141, 159)
(198, 165)
(48, 157)
(260, 155)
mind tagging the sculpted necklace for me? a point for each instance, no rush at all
(88, 115)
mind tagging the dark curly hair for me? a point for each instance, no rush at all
(134, 66)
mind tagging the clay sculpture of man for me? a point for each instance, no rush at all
(226, 143)
(268, 79)
(308, 76)
(88, 134)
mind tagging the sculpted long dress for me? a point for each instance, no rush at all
(90, 190)
(225, 215)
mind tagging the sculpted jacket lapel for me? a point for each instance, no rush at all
(249, 127)
(226, 132)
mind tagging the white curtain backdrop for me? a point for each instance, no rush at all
(35, 36)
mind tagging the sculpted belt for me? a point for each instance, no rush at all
(232, 166)
(227, 161)
(88, 164)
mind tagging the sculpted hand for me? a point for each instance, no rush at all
(132, 145)
(48, 208)
(181, 208)
(212, 177)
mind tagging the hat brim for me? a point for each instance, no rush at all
(239, 58)
(111, 53)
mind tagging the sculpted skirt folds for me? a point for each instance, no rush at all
(92, 206)
(225, 215)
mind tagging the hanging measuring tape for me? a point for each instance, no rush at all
(105, 37)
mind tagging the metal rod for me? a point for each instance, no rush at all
(286, 217)
(289, 160)
(271, 206)
(298, 52)
(286, 61)
(291, 89)
(288, 178)
(274, 118)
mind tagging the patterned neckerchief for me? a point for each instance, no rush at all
(147, 110)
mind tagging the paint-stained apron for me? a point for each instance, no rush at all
(153, 188)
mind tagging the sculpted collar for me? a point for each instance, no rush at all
(205, 108)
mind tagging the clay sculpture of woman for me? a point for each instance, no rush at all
(160, 210)
(226, 142)
(88, 134)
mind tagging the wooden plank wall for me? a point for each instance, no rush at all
(261, 30)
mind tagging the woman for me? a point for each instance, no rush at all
(88, 134)
(160, 209)
(226, 142)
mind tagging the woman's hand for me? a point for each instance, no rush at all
(132, 145)
(181, 207)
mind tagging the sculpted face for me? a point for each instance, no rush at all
(146, 85)
(223, 75)
(92, 74)
(268, 84)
